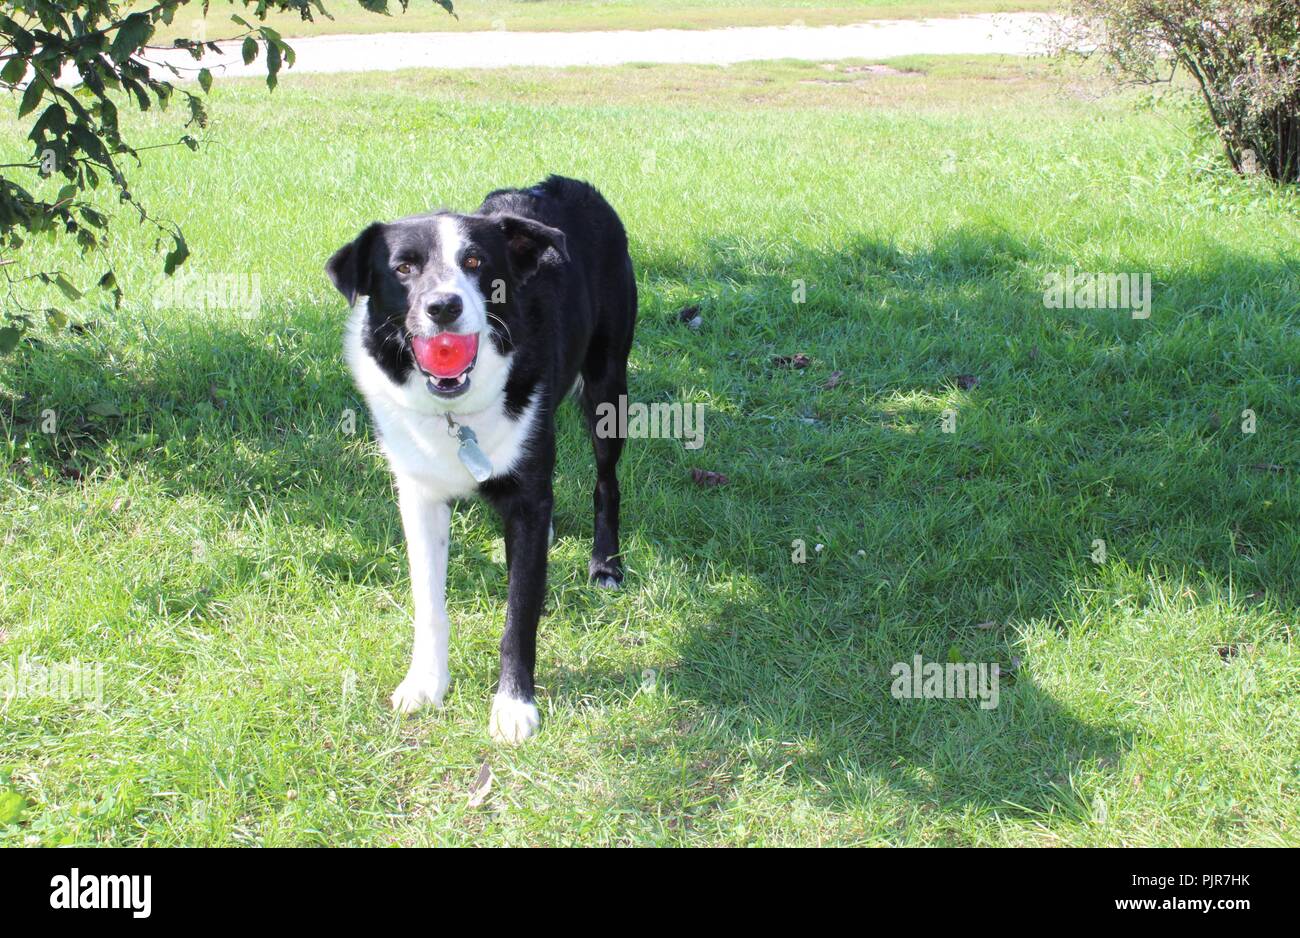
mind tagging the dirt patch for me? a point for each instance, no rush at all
(878, 70)
(868, 71)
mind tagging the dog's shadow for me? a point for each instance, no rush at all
(770, 673)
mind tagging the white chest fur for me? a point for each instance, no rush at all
(412, 423)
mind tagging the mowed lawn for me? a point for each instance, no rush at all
(203, 527)
(349, 17)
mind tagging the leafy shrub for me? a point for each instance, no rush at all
(1244, 56)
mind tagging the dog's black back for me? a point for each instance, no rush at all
(578, 318)
(594, 292)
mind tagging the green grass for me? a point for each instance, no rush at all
(235, 564)
(564, 15)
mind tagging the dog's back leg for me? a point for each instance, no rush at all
(605, 568)
(604, 382)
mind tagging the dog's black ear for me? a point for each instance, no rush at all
(527, 241)
(349, 267)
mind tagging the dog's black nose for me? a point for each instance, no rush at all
(444, 309)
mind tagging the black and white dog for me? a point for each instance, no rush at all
(466, 333)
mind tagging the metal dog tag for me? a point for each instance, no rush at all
(471, 457)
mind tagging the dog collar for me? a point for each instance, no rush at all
(470, 454)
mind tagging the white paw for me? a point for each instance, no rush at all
(420, 688)
(512, 721)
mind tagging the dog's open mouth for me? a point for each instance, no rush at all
(446, 360)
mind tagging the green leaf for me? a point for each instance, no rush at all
(249, 49)
(954, 655)
(272, 64)
(105, 409)
(66, 288)
(9, 337)
(205, 80)
(31, 97)
(14, 70)
(12, 807)
(53, 122)
(176, 256)
(131, 35)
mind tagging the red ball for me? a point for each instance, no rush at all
(445, 355)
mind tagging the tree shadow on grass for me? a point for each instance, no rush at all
(1071, 426)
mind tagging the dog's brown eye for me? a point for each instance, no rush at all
(403, 268)
(473, 263)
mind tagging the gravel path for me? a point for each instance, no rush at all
(1008, 33)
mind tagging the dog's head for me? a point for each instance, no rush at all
(440, 287)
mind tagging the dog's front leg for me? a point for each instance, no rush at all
(527, 517)
(427, 523)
